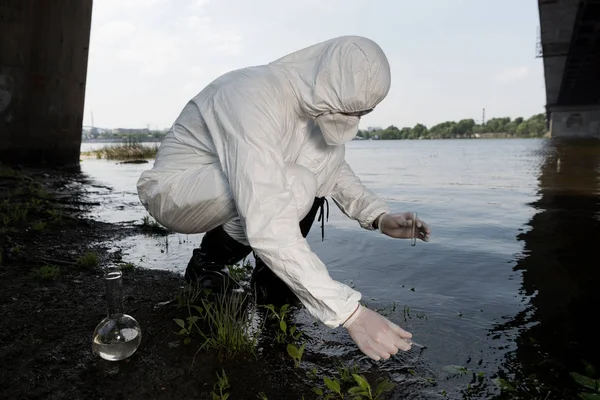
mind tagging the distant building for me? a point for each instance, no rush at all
(120, 134)
(131, 131)
(374, 128)
(88, 132)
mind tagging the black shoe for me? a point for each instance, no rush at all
(269, 288)
(208, 276)
(207, 268)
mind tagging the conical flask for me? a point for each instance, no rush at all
(118, 335)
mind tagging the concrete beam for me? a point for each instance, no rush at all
(557, 21)
(572, 108)
(43, 70)
(581, 76)
(573, 122)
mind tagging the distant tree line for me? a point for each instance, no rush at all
(466, 128)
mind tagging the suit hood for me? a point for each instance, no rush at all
(342, 75)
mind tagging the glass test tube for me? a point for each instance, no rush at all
(413, 240)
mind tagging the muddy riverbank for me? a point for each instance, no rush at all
(52, 297)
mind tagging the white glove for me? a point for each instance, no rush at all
(400, 226)
(375, 336)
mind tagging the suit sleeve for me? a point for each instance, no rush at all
(355, 200)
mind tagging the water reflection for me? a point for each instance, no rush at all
(556, 333)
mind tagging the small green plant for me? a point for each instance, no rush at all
(457, 370)
(346, 372)
(281, 336)
(152, 227)
(38, 191)
(187, 329)
(19, 212)
(228, 322)
(476, 387)
(222, 322)
(38, 226)
(89, 260)
(296, 353)
(46, 272)
(406, 313)
(262, 396)
(334, 386)
(189, 296)
(8, 172)
(220, 387)
(363, 389)
(56, 216)
(37, 203)
(504, 384)
(421, 316)
(127, 266)
(240, 272)
(592, 386)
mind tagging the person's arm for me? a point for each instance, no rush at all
(246, 133)
(355, 200)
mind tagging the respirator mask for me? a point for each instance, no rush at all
(338, 128)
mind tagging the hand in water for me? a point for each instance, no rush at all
(375, 335)
(400, 226)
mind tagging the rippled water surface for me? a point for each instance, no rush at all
(508, 285)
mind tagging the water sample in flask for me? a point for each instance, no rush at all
(118, 335)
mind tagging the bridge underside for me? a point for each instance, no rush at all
(571, 51)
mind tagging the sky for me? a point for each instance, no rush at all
(450, 59)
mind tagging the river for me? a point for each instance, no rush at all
(507, 286)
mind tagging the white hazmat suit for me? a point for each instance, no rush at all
(254, 148)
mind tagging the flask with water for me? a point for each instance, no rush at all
(118, 335)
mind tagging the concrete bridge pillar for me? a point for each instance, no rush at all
(43, 69)
(575, 122)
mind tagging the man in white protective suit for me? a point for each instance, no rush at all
(249, 162)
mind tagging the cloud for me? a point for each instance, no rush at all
(152, 38)
(144, 31)
(511, 75)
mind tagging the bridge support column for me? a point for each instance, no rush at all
(43, 69)
(575, 121)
